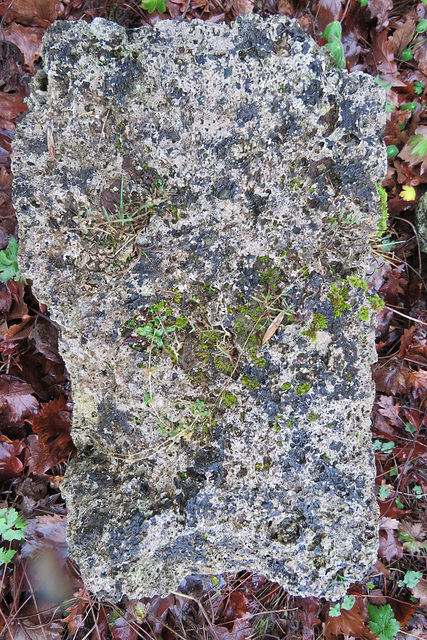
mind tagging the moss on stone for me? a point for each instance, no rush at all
(302, 389)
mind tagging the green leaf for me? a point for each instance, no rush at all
(399, 503)
(9, 261)
(392, 151)
(333, 30)
(348, 603)
(370, 585)
(152, 5)
(417, 491)
(11, 525)
(419, 87)
(335, 610)
(382, 622)
(421, 26)
(363, 3)
(146, 331)
(6, 555)
(406, 54)
(335, 47)
(384, 85)
(409, 106)
(384, 492)
(419, 144)
(411, 579)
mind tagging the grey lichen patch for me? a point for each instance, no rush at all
(201, 240)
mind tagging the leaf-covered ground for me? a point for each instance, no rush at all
(42, 594)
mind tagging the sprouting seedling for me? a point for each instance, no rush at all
(333, 34)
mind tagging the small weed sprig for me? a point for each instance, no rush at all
(121, 227)
(12, 527)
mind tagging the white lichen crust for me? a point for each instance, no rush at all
(254, 162)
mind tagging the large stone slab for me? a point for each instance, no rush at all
(181, 191)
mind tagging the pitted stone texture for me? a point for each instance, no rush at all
(254, 160)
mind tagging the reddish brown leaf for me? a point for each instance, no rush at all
(403, 35)
(402, 611)
(29, 40)
(328, 11)
(44, 531)
(11, 105)
(53, 425)
(16, 400)
(76, 612)
(390, 546)
(45, 336)
(380, 9)
(382, 50)
(390, 410)
(308, 610)
(19, 308)
(39, 13)
(38, 460)
(392, 378)
(420, 592)
(124, 630)
(11, 465)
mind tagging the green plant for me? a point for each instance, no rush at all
(122, 225)
(339, 299)
(384, 447)
(410, 579)
(12, 527)
(333, 34)
(382, 622)
(418, 143)
(419, 87)
(318, 323)
(9, 261)
(152, 5)
(347, 604)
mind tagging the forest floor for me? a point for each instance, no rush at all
(42, 595)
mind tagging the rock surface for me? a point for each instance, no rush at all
(195, 203)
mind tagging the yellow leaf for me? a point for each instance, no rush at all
(408, 193)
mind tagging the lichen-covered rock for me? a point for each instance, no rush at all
(195, 204)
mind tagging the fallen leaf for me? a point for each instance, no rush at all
(349, 623)
(29, 40)
(273, 327)
(11, 465)
(380, 9)
(16, 400)
(390, 547)
(39, 13)
(420, 592)
(53, 425)
(308, 613)
(11, 105)
(328, 11)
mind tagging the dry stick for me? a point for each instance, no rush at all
(102, 130)
(404, 315)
